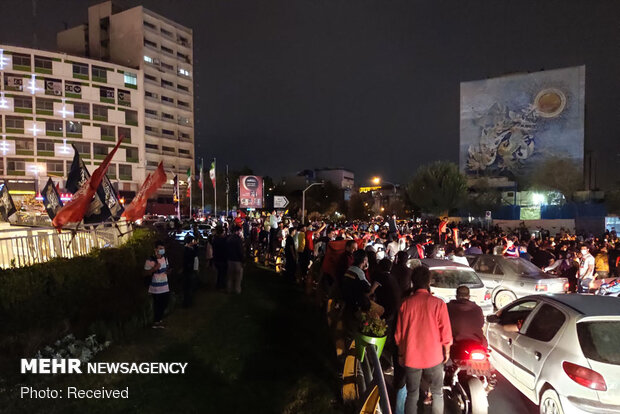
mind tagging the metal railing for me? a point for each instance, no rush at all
(373, 381)
(23, 246)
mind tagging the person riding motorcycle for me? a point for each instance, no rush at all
(466, 318)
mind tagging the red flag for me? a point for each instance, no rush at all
(135, 210)
(333, 256)
(74, 210)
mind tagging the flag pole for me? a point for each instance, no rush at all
(227, 190)
(215, 188)
(202, 185)
(189, 183)
(178, 200)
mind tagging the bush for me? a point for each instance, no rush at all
(101, 293)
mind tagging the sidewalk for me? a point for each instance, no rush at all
(264, 351)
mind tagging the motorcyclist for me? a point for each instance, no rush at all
(466, 318)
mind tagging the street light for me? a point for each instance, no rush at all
(303, 201)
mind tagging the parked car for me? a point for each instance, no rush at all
(560, 351)
(446, 276)
(510, 278)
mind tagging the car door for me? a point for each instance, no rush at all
(501, 335)
(539, 336)
(486, 268)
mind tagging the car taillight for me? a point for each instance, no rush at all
(585, 376)
(541, 288)
(487, 295)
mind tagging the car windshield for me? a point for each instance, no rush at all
(523, 267)
(599, 341)
(453, 278)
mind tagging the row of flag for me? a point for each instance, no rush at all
(94, 199)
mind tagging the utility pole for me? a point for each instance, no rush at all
(303, 201)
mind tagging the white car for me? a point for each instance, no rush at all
(446, 276)
(561, 351)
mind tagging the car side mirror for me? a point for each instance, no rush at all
(493, 319)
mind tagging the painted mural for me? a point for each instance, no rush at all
(512, 123)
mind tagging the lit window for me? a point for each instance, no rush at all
(183, 72)
(131, 78)
(148, 59)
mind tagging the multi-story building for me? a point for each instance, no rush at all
(162, 49)
(340, 177)
(49, 101)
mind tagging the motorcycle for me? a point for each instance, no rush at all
(469, 378)
(611, 288)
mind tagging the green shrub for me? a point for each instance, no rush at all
(103, 293)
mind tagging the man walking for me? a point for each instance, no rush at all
(586, 269)
(423, 336)
(290, 255)
(234, 250)
(220, 257)
(190, 261)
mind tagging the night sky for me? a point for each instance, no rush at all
(284, 85)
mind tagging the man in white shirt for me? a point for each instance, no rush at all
(586, 269)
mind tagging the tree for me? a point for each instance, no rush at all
(558, 174)
(482, 197)
(437, 188)
(357, 208)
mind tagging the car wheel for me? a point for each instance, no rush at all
(503, 298)
(550, 403)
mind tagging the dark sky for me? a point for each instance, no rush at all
(283, 85)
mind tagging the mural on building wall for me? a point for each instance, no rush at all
(510, 124)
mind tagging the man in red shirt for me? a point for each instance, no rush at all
(423, 335)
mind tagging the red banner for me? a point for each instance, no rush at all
(74, 210)
(135, 210)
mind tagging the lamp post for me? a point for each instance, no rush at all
(303, 201)
(377, 181)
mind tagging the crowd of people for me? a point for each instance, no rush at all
(369, 267)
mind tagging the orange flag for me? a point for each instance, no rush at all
(74, 210)
(135, 210)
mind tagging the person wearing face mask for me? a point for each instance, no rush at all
(156, 267)
(586, 269)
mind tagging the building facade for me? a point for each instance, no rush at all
(340, 177)
(49, 101)
(162, 50)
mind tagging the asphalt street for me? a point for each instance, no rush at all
(506, 399)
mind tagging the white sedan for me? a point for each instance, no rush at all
(560, 351)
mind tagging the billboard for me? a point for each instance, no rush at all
(511, 124)
(250, 191)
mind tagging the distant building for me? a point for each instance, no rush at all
(340, 177)
(50, 101)
(162, 49)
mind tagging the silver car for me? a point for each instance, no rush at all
(510, 278)
(560, 351)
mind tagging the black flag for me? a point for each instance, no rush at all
(7, 207)
(97, 211)
(51, 199)
(106, 192)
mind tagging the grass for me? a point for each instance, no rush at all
(264, 351)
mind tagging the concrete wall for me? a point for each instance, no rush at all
(126, 38)
(73, 40)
